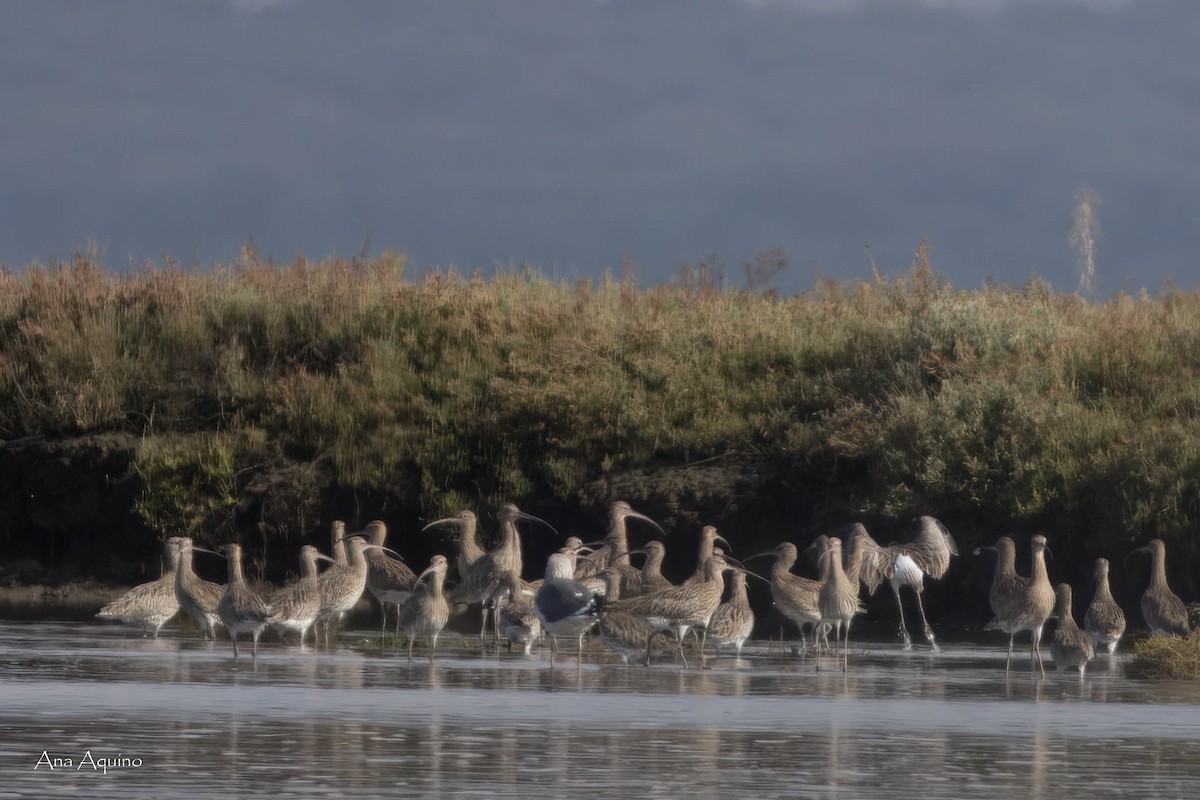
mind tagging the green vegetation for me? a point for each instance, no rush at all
(261, 386)
(1160, 657)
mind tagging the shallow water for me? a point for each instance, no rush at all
(352, 723)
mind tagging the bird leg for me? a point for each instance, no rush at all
(1008, 662)
(432, 646)
(928, 630)
(900, 607)
(1037, 653)
(703, 639)
(846, 647)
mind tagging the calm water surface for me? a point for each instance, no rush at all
(354, 723)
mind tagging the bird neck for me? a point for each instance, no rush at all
(833, 571)
(1158, 568)
(618, 543)
(1006, 561)
(783, 567)
(1062, 610)
(437, 579)
(236, 577)
(1039, 573)
(185, 571)
(468, 542)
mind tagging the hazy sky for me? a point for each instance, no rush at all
(572, 134)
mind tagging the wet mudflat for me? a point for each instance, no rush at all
(359, 723)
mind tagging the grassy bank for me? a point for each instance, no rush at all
(254, 389)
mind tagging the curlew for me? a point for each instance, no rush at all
(241, 609)
(149, 605)
(490, 569)
(1104, 621)
(427, 611)
(837, 599)
(621, 633)
(733, 621)
(1069, 646)
(794, 596)
(906, 565)
(515, 614)
(679, 608)
(651, 579)
(1162, 609)
(342, 587)
(564, 606)
(469, 548)
(615, 551)
(389, 580)
(1019, 603)
(196, 596)
(337, 543)
(708, 539)
(295, 606)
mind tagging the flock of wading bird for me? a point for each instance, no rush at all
(636, 611)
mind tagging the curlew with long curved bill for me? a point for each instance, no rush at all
(615, 550)
(907, 565)
(149, 605)
(795, 597)
(1104, 621)
(469, 548)
(389, 580)
(1019, 603)
(490, 569)
(197, 597)
(1162, 609)
(1069, 646)
(733, 621)
(624, 634)
(837, 599)
(241, 609)
(342, 587)
(564, 606)
(295, 606)
(427, 611)
(680, 608)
